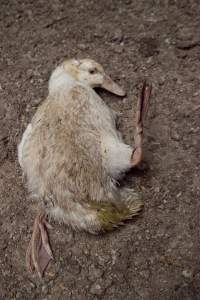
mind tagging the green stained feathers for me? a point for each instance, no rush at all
(111, 215)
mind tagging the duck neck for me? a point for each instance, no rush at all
(60, 81)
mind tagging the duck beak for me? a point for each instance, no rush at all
(111, 86)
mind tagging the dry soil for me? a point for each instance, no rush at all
(157, 255)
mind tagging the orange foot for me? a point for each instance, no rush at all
(143, 104)
(39, 252)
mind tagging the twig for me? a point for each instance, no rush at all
(55, 21)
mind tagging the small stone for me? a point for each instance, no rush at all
(186, 39)
(160, 232)
(161, 80)
(193, 130)
(118, 49)
(69, 237)
(186, 45)
(157, 189)
(167, 41)
(98, 34)
(32, 284)
(161, 207)
(28, 108)
(96, 289)
(45, 289)
(188, 274)
(40, 80)
(36, 102)
(184, 33)
(144, 274)
(175, 135)
(149, 60)
(187, 114)
(188, 200)
(196, 94)
(135, 228)
(125, 100)
(18, 295)
(118, 36)
(29, 73)
(82, 47)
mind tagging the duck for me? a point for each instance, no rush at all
(73, 157)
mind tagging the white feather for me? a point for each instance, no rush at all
(25, 137)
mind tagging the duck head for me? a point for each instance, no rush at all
(91, 73)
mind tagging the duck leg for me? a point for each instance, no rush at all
(142, 108)
(39, 251)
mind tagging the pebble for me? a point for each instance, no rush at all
(118, 36)
(186, 39)
(184, 33)
(32, 284)
(118, 49)
(157, 189)
(167, 41)
(18, 295)
(161, 80)
(82, 47)
(96, 289)
(125, 100)
(175, 135)
(188, 274)
(161, 207)
(36, 101)
(144, 274)
(196, 94)
(185, 45)
(160, 232)
(98, 34)
(45, 289)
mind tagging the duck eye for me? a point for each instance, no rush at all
(93, 71)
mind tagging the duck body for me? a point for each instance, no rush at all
(72, 155)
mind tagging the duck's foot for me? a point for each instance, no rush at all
(39, 251)
(142, 108)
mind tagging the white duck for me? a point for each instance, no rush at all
(72, 156)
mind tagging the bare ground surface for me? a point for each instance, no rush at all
(157, 255)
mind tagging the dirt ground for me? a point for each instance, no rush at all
(157, 255)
